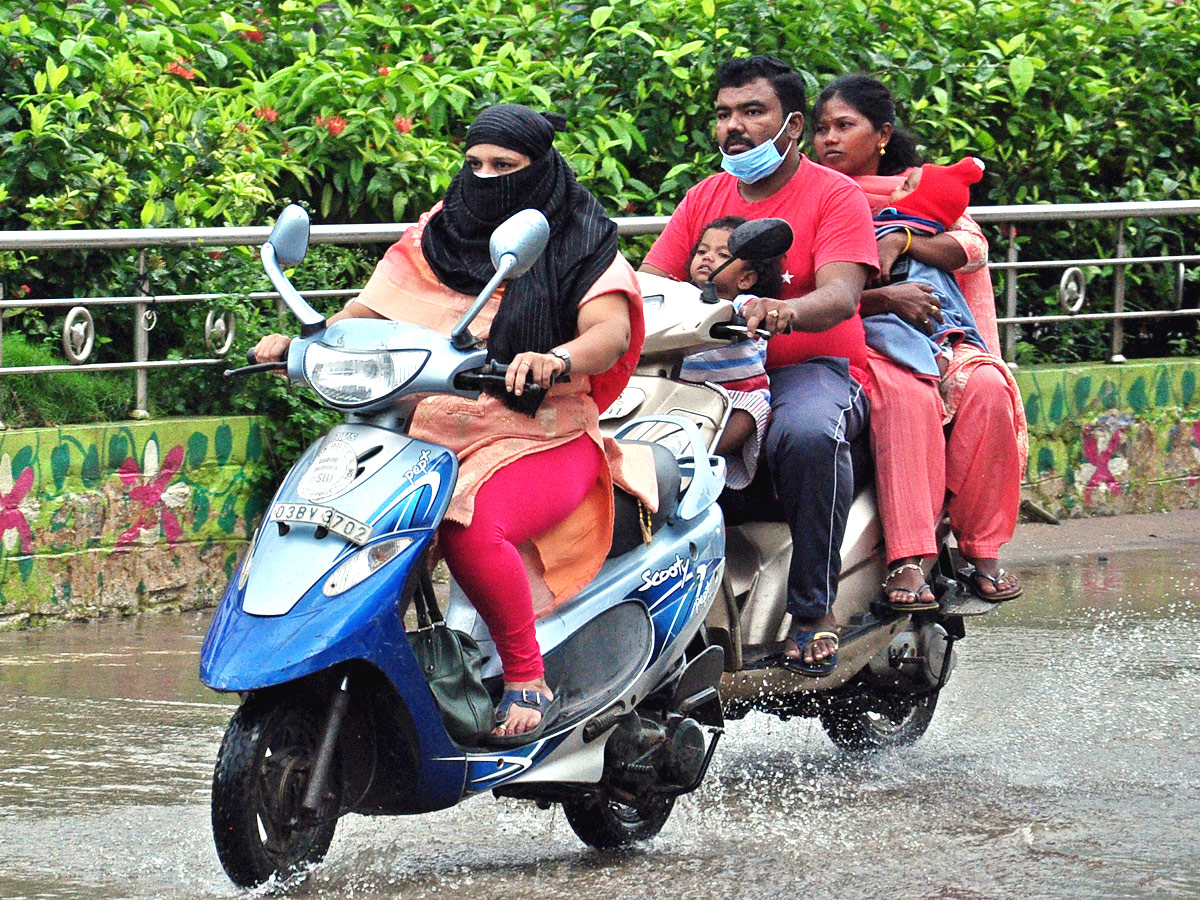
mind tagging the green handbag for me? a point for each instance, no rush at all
(453, 665)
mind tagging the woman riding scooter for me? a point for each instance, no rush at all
(535, 480)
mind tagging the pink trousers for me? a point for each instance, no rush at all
(916, 464)
(522, 500)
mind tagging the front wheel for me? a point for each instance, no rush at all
(868, 721)
(259, 824)
(608, 825)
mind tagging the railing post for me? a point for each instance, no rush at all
(141, 341)
(1118, 332)
(1010, 291)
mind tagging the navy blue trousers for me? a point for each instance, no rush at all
(817, 410)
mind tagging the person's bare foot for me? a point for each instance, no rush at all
(905, 584)
(816, 651)
(521, 719)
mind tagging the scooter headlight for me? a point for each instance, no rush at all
(362, 564)
(357, 377)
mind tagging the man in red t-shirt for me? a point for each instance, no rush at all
(818, 405)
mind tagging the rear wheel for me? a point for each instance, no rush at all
(259, 824)
(608, 825)
(868, 721)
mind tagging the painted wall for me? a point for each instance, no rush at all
(134, 516)
(125, 517)
(1107, 439)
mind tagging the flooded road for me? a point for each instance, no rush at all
(1063, 762)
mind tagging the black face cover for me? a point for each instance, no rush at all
(540, 309)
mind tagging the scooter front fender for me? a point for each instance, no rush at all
(245, 652)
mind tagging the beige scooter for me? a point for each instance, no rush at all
(891, 667)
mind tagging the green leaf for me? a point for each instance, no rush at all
(599, 16)
(1020, 73)
(56, 74)
(219, 59)
(709, 8)
(147, 217)
(148, 41)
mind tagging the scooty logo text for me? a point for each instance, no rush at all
(677, 569)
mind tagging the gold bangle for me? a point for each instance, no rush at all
(909, 244)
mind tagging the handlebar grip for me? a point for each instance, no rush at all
(251, 357)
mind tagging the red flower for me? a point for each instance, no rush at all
(241, 127)
(335, 125)
(179, 68)
(21, 291)
(630, 208)
(150, 495)
(427, 58)
(403, 124)
(216, 254)
(266, 112)
(385, 71)
(408, 8)
(254, 36)
(11, 516)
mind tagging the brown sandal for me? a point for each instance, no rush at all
(916, 604)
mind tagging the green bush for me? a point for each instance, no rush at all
(34, 401)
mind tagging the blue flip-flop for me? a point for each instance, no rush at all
(530, 699)
(802, 638)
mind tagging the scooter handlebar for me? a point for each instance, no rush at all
(735, 329)
(492, 375)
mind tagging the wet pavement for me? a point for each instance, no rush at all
(1063, 762)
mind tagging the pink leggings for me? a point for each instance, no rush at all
(519, 502)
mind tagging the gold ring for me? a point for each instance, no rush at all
(773, 312)
(934, 309)
(924, 321)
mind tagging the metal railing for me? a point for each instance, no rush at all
(79, 333)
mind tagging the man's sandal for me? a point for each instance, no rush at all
(916, 604)
(802, 637)
(970, 577)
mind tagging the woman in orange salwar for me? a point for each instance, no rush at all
(532, 511)
(980, 460)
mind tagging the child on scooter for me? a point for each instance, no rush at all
(738, 367)
(931, 200)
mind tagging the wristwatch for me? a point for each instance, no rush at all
(565, 355)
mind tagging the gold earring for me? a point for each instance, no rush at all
(882, 149)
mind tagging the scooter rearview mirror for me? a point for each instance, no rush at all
(286, 247)
(515, 246)
(524, 236)
(289, 237)
(760, 239)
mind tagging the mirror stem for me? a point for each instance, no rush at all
(461, 338)
(708, 291)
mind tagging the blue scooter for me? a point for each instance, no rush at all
(314, 630)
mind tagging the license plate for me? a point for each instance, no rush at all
(324, 516)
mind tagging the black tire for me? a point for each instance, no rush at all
(608, 825)
(258, 787)
(867, 722)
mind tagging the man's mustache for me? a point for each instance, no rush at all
(736, 141)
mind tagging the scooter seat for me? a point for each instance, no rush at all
(627, 532)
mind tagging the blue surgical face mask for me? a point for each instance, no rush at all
(756, 164)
